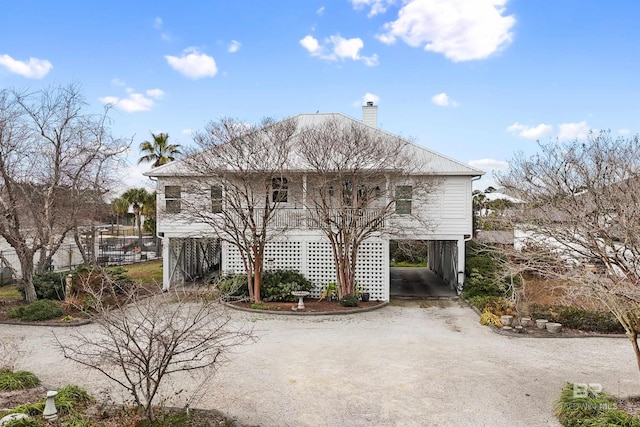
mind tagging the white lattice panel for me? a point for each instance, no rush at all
(320, 266)
(371, 270)
(314, 259)
(284, 255)
(231, 260)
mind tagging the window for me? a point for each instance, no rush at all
(280, 190)
(172, 197)
(403, 199)
(216, 198)
(347, 193)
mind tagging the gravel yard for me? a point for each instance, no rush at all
(401, 365)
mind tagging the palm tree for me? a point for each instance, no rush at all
(137, 197)
(159, 151)
(120, 206)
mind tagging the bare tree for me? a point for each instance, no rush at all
(239, 173)
(583, 205)
(359, 178)
(53, 158)
(141, 342)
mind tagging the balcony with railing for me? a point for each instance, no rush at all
(304, 219)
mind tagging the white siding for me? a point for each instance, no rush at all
(443, 214)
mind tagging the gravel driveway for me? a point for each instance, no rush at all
(401, 365)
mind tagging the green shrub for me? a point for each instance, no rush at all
(612, 417)
(31, 409)
(39, 310)
(18, 380)
(479, 285)
(577, 318)
(48, 285)
(482, 301)
(575, 411)
(24, 422)
(349, 301)
(277, 285)
(70, 398)
(115, 278)
(234, 285)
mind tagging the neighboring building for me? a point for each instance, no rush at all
(191, 249)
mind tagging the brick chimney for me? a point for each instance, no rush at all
(370, 114)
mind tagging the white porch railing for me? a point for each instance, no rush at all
(291, 218)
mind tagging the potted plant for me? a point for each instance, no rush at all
(330, 292)
(360, 291)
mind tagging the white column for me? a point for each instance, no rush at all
(166, 267)
(461, 262)
(304, 191)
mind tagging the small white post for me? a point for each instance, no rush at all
(50, 411)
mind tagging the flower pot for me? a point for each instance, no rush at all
(525, 322)
(541, 323)
(364, 296)
(506, 320)
(554, 328)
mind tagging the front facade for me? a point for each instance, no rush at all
(401, 210)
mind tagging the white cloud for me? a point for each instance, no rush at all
(186, 131)
(490, 166)
(157, 24)
(193, 64)
(624, 131)
(234, 46)
(579, 130)
(336, 48)
(33, 69)
(134, 102)
(346, 48)
(368, 97)
(117, 82)
(530, 132)
(462, 30)
(376, 6)
(443, 100)
(311, 44)
(155, 93)
(320, 11)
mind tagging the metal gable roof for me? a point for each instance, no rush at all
(430, 162)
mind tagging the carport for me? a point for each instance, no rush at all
(418, 282)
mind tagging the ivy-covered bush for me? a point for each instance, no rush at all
(349, 301)
(482, 270)
(277, 285)
(39, 310)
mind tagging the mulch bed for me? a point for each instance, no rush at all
(311, 306)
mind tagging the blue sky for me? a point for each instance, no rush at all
(475, 80)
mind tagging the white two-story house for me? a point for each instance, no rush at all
(395, 202)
